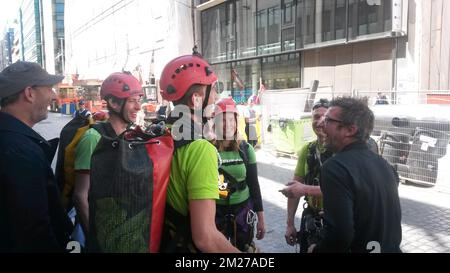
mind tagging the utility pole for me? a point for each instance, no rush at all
(61, 56)
(63, 68)
(41, 30)
(193, 21)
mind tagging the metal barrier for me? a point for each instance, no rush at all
(412, 128)
(415, 139)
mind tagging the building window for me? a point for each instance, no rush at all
(340, 19)
(288, 9)
(305, 24)
(245, 79)
(59, 24)
(239, 29)
(59, 7)
(333, 20)
(223, 74)
(213, 37)
(365, 19)
(288, 26)
(273, 27)
(245, 23)
(268, 27)
(281, 71)
(229, 30)
(261, 23)
(219, 32)
(239, 79)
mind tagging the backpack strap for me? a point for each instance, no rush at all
(181, 143)
(179, 239)
(233, 184)
(243, 152)
(105, 129)
(313, 161)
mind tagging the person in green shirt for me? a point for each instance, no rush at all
(306, 183)
(240, 208)
(190, 83)
(123, 93)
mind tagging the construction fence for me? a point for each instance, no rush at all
(412, 129)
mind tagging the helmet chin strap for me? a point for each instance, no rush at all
(121, 113)
(205, 103)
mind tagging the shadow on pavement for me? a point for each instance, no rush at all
(275, 173)
(274, 242)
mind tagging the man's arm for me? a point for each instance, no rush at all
(260, 226)
(254, 187)
(83, 154)
(296, 190)
(205, 235)
(293, 201)
(80, 199)
(291, 231)
(255, 192)
(27, 205)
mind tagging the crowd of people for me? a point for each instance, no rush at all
(213, 201)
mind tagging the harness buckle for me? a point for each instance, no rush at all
(252, 217)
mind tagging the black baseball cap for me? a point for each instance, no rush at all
(19, 75)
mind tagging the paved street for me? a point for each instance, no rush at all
(425, 211)
(51, 127)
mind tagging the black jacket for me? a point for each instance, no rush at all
(361, 203)
(32, 218)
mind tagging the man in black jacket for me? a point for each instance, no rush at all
(32, 218)
(360, 189)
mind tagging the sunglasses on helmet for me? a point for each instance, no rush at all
(321, 103)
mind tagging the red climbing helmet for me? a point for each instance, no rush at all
(226, 105)
(100, 116)
(121, 85)
(183, 72)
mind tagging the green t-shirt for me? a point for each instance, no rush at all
(302, 169)
(85, 148)
(193, 175)
(238, 170)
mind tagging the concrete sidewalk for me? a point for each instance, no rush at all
(425, 211)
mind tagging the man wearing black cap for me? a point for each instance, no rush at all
(32, 218)
(82, 111)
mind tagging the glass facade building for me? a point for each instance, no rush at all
(40, 34)
(58, 34)
(32, 31)
(250, 40)
(6, 47)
